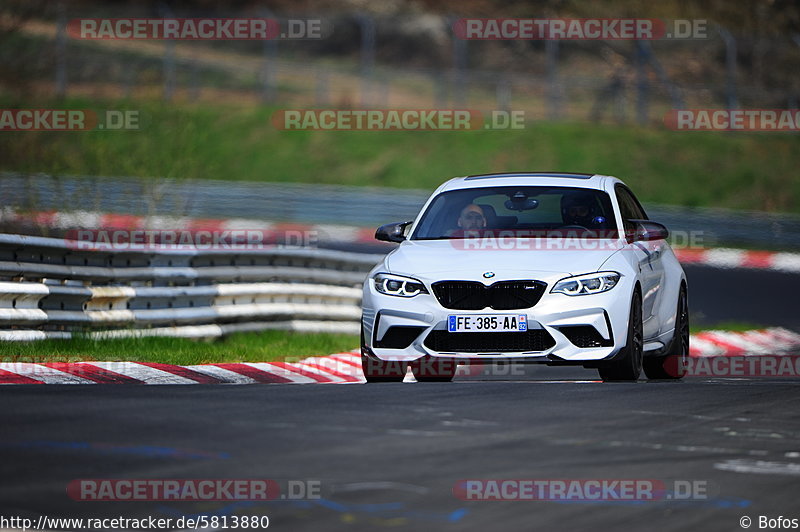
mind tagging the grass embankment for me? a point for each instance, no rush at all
(244, 347)
(239, 142)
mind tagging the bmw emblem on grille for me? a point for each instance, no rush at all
(488, 275)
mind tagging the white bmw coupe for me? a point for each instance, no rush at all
(553, 268)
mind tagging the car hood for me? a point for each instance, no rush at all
(428, 258)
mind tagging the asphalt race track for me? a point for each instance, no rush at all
(758, 297)
(388, 456)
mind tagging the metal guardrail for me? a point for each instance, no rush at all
(51, 289)
(341, 205)
(292, 202)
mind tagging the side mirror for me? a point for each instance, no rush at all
(645, 230)
(392, 232)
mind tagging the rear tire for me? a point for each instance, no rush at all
(672, 364)
(628, 364)
(433, 369)
(377, 370)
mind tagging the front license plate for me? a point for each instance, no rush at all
(487, 323)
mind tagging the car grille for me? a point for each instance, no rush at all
(489, 342)
(502, 295)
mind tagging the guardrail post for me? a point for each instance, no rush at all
(169, 58)
(642, 87)
(459, 69)
(367, 25)
(553, 87)
(321, 93)
(503, 94)
(61, 51)
(269, 64)
(731, 99)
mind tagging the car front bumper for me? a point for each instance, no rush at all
(551, 319)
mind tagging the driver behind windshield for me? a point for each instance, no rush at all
(579, 209)
(472, 218)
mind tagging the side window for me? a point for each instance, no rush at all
(638, 209)
(629, 209)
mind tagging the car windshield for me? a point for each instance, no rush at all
(521, 211)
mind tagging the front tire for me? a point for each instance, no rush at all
(628, 364)
(432, 369)
(672, 365)
(377, 370)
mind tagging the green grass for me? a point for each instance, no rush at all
(243, 347)
(730, 326)
(238, 142)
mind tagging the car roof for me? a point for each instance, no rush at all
(569, 179)
(571, 175)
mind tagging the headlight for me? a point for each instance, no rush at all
(590, 283)
(397, 285)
